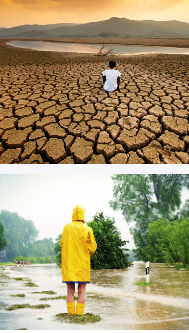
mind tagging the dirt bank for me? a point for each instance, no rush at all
(53, 108)
(167, 42)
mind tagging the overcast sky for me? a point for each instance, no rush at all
(48, 199)
(19, 12)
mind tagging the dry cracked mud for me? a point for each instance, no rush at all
(53, 109)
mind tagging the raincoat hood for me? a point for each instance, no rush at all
(78, 214)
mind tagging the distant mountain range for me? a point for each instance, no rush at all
(114, 27)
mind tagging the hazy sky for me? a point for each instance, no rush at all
(48, 199)
(18, 12)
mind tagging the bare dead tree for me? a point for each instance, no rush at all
(102, 52)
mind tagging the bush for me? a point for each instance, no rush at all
(110, 251)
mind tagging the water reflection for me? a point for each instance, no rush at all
(94, 48)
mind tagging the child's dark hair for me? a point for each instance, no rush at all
(112, 63)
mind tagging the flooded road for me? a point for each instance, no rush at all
(112, 294)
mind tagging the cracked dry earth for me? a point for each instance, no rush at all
(59, 112)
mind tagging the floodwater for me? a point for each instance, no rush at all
(112, 294)
(94, 48)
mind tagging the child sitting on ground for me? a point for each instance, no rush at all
(111, 77)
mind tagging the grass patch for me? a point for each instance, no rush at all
(55, 298)
(49, 292)
(85, 318)
(143, 283)
(4, 275)
(21, 278)
(7, 264)
(18, 295)
(21, 306)
(52, 298)
(30, 284)
(40, 306)
(37, 260)
(16, 329)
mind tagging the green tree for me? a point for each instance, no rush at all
(57, 250)
(145, 198)
(168, 241)
(41, 248)
(181, 236)
(110, 248)
(161, 242)
(3, 240)
(19, 233)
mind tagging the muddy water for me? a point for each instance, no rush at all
(95, 48)
(113, 294)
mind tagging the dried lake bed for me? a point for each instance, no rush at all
(113, 294)
(53, 109)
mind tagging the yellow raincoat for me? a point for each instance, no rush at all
(78, 245)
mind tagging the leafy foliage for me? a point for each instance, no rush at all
(145, 198)
(3, 240)
(110, 252)
(57, 250)
(169, 242)
(19, 233)
(41, 248)
(21, 237)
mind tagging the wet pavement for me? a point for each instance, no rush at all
(112, 294)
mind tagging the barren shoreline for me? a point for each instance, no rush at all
(167, 42)
(53, 108)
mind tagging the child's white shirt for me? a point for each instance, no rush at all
(111, 79)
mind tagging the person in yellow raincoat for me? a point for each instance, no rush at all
(77, 246)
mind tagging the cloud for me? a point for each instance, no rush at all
(86, 6)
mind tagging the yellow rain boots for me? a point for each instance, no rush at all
(80, 308)
(71, 308)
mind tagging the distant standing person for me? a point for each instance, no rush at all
(78, 245)
(111, 77)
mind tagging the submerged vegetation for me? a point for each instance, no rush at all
(21, 306)
(143, 283)
(3, 275)
(31, 284)
(21, 278)
(52, 298)
(18, 295)
(85, 318)
(48, 292)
